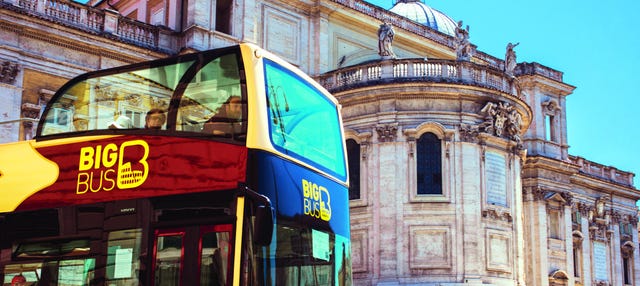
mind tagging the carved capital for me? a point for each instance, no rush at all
(387, 132)
(568, 198)
(584, 209)
(538, 193)
(8, 72)
(469, 133)
(616, 217)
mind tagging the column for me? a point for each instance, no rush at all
(568, 238)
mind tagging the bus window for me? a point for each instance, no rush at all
(119, 100)
(53, 272)
(303, 123)
(214, 254)
(123, 250)
(213, 101)
(308, 256)
(168, 258)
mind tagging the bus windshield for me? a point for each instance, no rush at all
(193, 94)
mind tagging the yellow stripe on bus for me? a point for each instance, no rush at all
(23, 172)
(238, 241)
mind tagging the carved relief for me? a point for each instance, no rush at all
(627, 249)
(469, 133)
(387, 133)
(502, 120)
(496, 215)
(597, 215)
(8, 72)
(550, 106)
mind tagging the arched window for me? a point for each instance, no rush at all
(429, 165)
(353, 155)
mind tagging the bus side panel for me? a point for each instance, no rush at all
(297, 192)
(129, 167)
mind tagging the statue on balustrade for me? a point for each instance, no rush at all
(462, 44)
(385, 38)
(510, 59)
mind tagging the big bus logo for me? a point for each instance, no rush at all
(317, 201)
(102, 168)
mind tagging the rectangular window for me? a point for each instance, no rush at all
(577, 262)
(626, 268)
(223, 16)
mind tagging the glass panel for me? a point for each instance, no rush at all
(428, 161)
(213, 103)
(123, 251)
(73, 272)
(303, 123)
(307, 256)
(77, 272)
(168, 259)
(52, 248)
(16, 272)
(114, 101)
(214, 256)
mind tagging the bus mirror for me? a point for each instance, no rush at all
(263, 226)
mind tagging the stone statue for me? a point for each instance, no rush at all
(463, 47)
(514, 124)
(385, 38)
(510, 59)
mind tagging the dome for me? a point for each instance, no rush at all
(417, 11)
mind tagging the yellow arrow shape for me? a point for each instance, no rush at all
(23, 172)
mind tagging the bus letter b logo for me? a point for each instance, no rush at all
(130, 176)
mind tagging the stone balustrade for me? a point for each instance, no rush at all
(90, 19)
(412, 70)
(603, 172)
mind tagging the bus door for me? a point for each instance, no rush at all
(194, 255)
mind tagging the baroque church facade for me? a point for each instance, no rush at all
(459, 160)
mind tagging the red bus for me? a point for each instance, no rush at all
(222, 167)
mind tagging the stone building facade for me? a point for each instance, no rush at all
(461, 171)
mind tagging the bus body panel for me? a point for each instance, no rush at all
(296, 192)
(129, 167)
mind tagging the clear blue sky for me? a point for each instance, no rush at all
(594, 43)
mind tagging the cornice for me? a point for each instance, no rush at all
(545, 84)
(606, 186)
(541, 162)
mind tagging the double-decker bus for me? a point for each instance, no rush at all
(222, 167)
